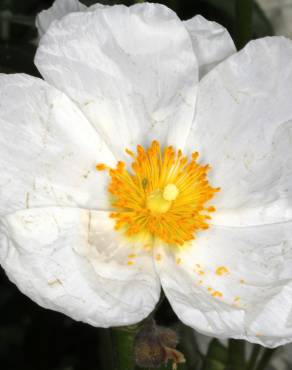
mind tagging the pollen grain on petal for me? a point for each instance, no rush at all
(101, 167)
(158, 257)
(221, 270)
(217, 294)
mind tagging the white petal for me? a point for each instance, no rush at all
(58, 10)
(255, 283)
(72, 261)
(243, 129)
(48, 150)
(212, 42)
(131, 70)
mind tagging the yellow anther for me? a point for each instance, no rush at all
(211, 209)
(130, 153)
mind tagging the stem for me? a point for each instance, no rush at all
(105, 350)
(158, 305)
(264, 361)
(254, 356)
(236, 354)
(123, 347)
(244, 10)
(5, 26)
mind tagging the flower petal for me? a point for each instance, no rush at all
(48, 150)
(132, 72)
(58, 10)
(212, 42)
(243, 129)
(71, 260)
(233, 282)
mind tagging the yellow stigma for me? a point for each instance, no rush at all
(156, 202)
(164, 194)
(170, 192)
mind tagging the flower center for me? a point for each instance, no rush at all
(164, 194)
(160, 201)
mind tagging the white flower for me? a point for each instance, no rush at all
(118, 77)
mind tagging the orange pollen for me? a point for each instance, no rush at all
(163, 195)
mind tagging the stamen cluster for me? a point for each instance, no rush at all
(163, 195)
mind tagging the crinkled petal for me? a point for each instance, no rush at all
(243, 129)
(58, 10)
(233, 282)
(71, 261)
(132, 72)
(212, 42)
(48, 150)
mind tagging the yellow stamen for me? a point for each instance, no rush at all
(163, 195)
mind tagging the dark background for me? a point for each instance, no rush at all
(32, 338)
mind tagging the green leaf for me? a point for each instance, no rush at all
(266, 358)
(253, 359)
(243, 22)
(217, 356)
(17, 58)
(261, 25)
(189, 347)
(223, 12)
